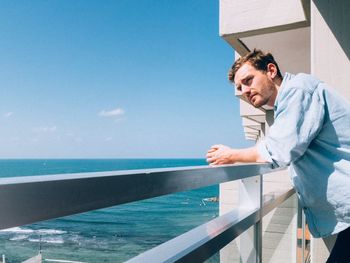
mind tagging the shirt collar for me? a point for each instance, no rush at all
(287, 76)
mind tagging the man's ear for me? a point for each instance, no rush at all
(271, 70)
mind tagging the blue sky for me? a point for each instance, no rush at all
(114, 79)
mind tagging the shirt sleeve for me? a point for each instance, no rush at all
(298, 120)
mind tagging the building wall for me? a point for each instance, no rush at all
(330, 43)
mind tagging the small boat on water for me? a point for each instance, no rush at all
(210, 199)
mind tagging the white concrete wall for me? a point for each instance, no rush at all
(330, 43)
(249, 15)
(280, 226)
(228, 201)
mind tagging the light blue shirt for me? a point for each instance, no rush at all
(311, 134)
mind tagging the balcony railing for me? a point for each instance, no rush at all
(25, 200)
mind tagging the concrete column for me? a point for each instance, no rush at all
(330, 43)
(330, 53)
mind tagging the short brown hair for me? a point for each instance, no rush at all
(257, 59)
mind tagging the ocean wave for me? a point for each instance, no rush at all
(50, 232)
(19, 238)
(57, 240)
(19, 230)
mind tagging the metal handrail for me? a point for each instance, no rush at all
(202, 242)
(25, 200)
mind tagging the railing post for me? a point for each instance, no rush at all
(303, 238)
(250, 196)
(258, 228)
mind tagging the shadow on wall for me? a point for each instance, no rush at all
(336, 15)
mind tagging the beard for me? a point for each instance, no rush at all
(258, 101)
(264, 95)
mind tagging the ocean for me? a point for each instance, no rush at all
(113, 234)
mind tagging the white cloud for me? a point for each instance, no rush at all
(45, 129)
(118, 112)
(108, 139)
(8, 114)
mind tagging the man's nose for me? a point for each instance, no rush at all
(245, 89)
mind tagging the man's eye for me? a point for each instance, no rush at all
(246, 81)
(239, 88)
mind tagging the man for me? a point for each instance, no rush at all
(310, 134)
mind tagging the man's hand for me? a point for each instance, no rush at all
(220, 154)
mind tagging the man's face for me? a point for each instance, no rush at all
(256, 86)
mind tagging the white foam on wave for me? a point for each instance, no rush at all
(19, 237)
(18, 230)
(57, 240)
(50, 232)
